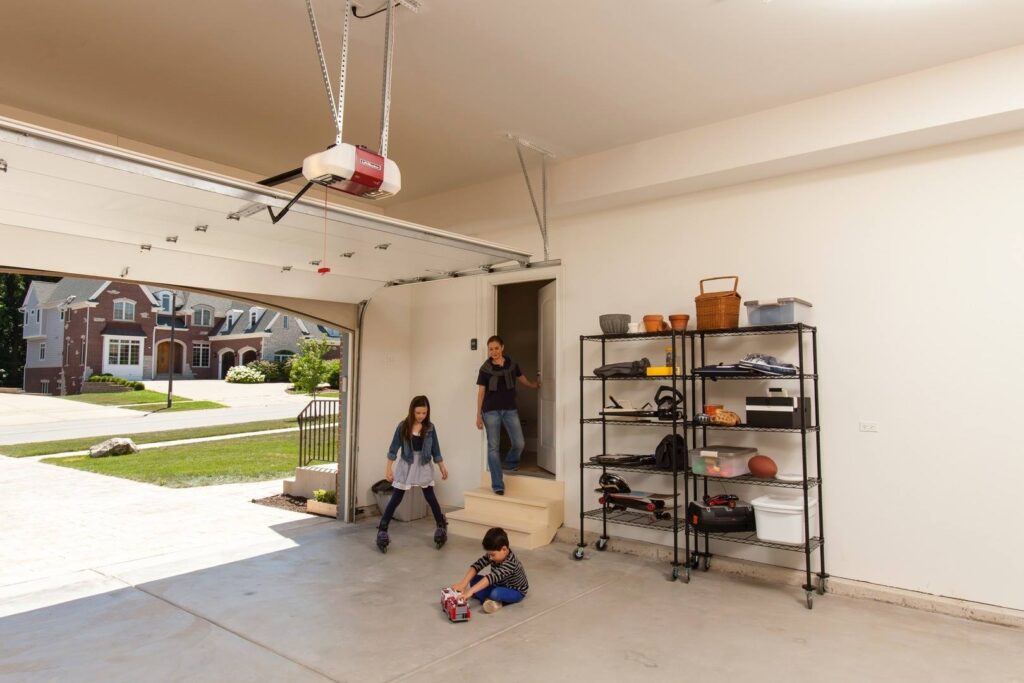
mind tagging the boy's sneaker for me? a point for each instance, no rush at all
(491, 606)
(768, 365)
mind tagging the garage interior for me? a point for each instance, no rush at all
(862, 156)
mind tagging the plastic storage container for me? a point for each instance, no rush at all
(413, 505)
(783, 311)
(721, 461)
(780, 519)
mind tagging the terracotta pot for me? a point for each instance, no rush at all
(655, 323)
(679, 321)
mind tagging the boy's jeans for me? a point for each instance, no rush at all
(493, 421)
(499, 593)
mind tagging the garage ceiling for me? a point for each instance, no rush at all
(237, 82)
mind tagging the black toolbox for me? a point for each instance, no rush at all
(739, 516)
(777, 411)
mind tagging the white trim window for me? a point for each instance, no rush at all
(37, 312)
(42, 351)
(202, 317)
(24, 317)
(124, 351)
(44, 386)
(165, 302)
(83, 349)
(200, 354)
(253, 317)
(124, 309)
(283, 355)
(286, 322)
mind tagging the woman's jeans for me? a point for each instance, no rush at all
(500, 593)
(493, 421)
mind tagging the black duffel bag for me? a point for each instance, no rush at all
(633, 368)
(672, 448)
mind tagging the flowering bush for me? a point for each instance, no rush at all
(241, 374)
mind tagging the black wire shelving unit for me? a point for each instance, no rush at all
(810, 453)
(606, 514)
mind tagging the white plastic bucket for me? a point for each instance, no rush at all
(780, 519)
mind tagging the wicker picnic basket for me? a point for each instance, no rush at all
(718, 310)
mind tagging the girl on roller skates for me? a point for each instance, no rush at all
(416, 441)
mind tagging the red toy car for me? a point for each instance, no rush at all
(454, 606)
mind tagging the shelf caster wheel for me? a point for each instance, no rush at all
(577, 554)
(822, 585)
(706, 564)
(602, 544)
(810, 599)
(675, 573)
(686, 575)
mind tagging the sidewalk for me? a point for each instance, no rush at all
(176, 442)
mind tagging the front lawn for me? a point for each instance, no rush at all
(124, 398)
(24, 450)
(254, 458)
(176, 406)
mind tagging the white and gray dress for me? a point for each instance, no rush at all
(417, 473)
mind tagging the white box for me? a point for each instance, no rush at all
(780, 519)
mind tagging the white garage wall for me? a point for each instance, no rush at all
(913, 263)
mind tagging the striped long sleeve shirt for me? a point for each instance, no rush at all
(509, 574)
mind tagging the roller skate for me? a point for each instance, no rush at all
(383, 540)
(441, 534)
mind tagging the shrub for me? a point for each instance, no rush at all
(333, 373)
(241, 374)
(267, 368)
(101, 378)
(138, 386)
(309, 369)
(329, 497)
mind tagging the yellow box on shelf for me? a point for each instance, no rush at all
(661, 371)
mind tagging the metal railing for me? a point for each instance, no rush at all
(318, 432)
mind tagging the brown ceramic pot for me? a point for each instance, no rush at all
(655, 323)
(679, 322)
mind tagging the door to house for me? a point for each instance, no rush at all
(249, 356)
(227, 361)
(163, 358)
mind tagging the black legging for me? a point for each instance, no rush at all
(396, 499)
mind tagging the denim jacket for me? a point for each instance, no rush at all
(431, 447)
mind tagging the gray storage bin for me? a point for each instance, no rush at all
(785, 311)
(412, 507)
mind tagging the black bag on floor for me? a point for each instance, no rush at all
(633, 368)
(672, 447)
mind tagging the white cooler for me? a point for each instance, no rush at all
(780, 519)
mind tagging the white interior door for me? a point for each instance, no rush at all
(546, 457)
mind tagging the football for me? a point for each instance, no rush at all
(762, 466)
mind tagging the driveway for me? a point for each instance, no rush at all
(25, 410)
(234, 395)
(26, 418)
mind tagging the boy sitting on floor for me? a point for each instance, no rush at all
(505, 584)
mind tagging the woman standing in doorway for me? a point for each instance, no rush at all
(496, 407)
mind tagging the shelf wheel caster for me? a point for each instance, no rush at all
(578, 553)
(810, 599)
(706, 563)
(686, 575)
(822, 585)
(675, 573)
(602, 544)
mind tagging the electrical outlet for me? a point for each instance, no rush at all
(869, 426)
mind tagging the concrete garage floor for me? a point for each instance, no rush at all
(331, 607)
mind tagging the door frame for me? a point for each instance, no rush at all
(178, 343)
(488, 317)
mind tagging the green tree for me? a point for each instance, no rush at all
(12, 346)
(309, 369)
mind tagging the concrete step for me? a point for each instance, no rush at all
(527, 486)
(520, 535)
(528, 509)
(312, 477)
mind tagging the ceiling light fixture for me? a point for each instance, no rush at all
(383, 246)
(145, 247)
(315, 262)
(286, 269)
(202, 228)
(348, 254)
(172, 238)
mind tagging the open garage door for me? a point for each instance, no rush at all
(75, 206)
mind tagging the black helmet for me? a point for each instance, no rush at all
(613, 483)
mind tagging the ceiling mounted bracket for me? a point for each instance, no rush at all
(541, 211)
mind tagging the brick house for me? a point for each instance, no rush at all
(75, 328)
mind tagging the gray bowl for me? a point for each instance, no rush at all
(615, 323)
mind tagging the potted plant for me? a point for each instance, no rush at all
(323, 503)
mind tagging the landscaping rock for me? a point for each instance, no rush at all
(113, 447)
